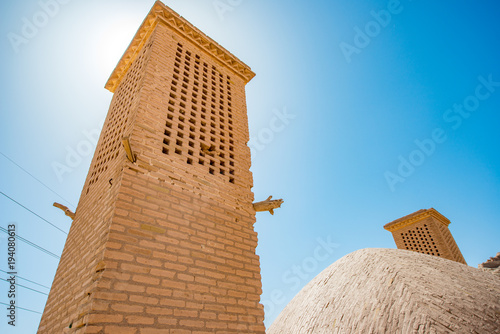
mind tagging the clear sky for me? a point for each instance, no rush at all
(360, 113)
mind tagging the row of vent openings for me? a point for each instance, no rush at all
(199, 123)
(420, 240)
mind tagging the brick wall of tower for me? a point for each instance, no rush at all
(453, 251)
(428, 236)
(423, 237)
(166, 244)
(70, 297)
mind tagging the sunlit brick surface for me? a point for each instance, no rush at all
(166, 244)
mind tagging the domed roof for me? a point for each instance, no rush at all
(394, 291)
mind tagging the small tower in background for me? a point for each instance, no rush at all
(163, 238)
(426, 232)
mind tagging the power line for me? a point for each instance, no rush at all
(32, 244)
(22, 286)
(13, 200)
(43, 184)
(21, 308)
(27, 280)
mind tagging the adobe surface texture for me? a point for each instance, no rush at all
(165, 244)
(492, 265)
(394, 291)
(426, 232)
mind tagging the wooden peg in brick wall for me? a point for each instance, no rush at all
(67, 211)
(128, 149)
(268, 205)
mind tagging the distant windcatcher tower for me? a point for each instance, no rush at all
(425, 231)
(163, 238)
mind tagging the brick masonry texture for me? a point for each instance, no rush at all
(492, 265)
(394, 291)
(426, 232)
(165, 244)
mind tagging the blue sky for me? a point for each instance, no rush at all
(360, 113)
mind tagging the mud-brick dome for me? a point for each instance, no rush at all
(394, 291)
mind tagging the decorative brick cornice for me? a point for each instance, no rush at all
(162, 14)
(414, 218)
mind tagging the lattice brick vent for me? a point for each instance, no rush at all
(123, 100)
(199, 125)
(420, 240)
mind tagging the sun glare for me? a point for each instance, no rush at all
(113, 41)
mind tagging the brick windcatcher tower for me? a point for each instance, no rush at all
(426, 232)
(165, 244)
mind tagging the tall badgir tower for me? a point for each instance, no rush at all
(426, 232)
(163, 238)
